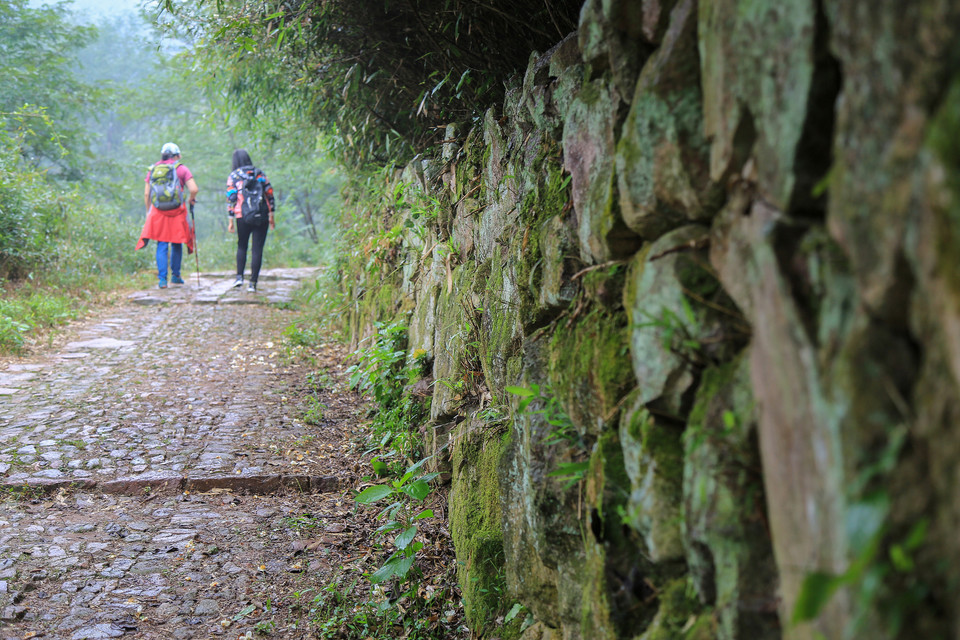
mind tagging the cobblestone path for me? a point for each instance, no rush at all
(155, 473)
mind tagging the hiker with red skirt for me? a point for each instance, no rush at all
(167, 221)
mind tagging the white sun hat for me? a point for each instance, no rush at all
(170, 149)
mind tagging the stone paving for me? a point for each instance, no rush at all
(153, 468)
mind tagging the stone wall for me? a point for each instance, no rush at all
(720, 241)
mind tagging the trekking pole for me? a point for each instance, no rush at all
(196, 245)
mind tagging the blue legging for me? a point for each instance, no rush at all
(176, 257)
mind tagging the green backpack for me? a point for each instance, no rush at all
(166, 192)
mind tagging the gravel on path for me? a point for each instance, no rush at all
(157, 478)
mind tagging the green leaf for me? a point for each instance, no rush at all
(247, 610)
(417, 490)
(384, 573)
(917, 535)
(901, 561)
(393, 525)
(426, 513)
(514, 610)
(379, 467)
(865, 520)
(373, 494)
(405, 537)
(391, 510)
(415, 466)
(403, 566)
(570, 469)
(520, 391)
(817, 589)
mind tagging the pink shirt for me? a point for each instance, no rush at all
(182, 172)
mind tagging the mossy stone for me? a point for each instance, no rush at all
(588, 142)
(680, 318)
(653, 459)
(553, 275)
(501, 333)
(677, 608)
(757, 59)
(663, 155)
(542, 534)
(619, 581)
(728, 547)
(589, 368)
(610, 40)
(455, 326)
(475, 522)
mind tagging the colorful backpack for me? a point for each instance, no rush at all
(166, 192)
(254, 208)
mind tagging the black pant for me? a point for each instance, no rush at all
(259, 233)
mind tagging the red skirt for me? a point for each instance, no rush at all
(167, 226)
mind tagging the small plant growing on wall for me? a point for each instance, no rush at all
(536, 400)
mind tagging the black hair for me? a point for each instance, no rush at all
(241, 159)
(167, 156)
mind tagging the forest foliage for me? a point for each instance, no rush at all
(79, 126)
(381, 79)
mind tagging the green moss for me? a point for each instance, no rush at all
(634, 277)
(590, 369)
(665, 443)
(942, 138)
(653, 455)
(717, 384)
(550, 191)
(729, 547)
(475, 524)
(607, 487)
(470, 167)
(500, 336)
(606, 286)
(677, 605)
(524, 258)
(614, 556)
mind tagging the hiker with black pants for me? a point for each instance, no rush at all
(250, 206)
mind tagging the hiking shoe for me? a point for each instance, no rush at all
(252, 287)
(238, 282)
(176, 280)
(162, 285)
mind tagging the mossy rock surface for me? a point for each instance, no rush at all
(758, 59)
(610, 40)
(542, 533)
(552, 276)
(728, 546)
(588, 142)
(680, 319)
(653, 461)
(452, 372)
(589, 368)
(475, 521)
(619, 581)
(501, 332)
(893, 80)
(662, 156)
(676, 617)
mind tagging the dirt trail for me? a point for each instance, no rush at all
(158, 481)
